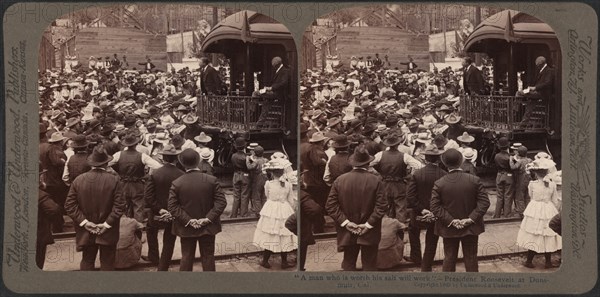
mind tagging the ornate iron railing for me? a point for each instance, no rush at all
(241, 113)
(506, 113)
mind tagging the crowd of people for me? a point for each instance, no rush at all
(122, 152)
(385, 152)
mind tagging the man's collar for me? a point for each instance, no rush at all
(192, 169)
(280, 66)
(455, 169)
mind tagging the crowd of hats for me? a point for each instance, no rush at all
(97, 102)
(384, 104)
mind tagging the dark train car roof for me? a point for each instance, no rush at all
(524, 27)
(263, 28)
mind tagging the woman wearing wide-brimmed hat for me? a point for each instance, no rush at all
(271, 234)
(535, 234)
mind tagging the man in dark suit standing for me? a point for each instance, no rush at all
(280, 84)
(210, 82)
(410, 65)
(357, 204)
(47, 209)
(196, 201)
(459, 202)
(542, 88)
(148, 66)
(472, 77)
(96, 205)
(418, 194)
(156, 194)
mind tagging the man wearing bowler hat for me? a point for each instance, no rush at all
(338, 164)
(418, 196)
(458, 201)
(156, 196)
(504, 180)
(196, 201)
(96, 205)
(394, 167)
(131, 167)
(241, 180)
(357, 204)
(77, 163)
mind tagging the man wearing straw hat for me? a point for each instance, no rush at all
(197, 217)
(53, 159)
(156, 196)
(314, 160)
(459, 203)
(95, 203)
(394, 167)
(357, 204)
(131, 167)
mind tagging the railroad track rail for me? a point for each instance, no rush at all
(71, 234)
(331, 235)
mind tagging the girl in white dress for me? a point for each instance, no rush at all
(535, 235)
(271, 233)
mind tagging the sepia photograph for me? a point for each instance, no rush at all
(168, 140)
(430, 140)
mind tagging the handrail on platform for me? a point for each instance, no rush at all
(507, 113)
(241, 113)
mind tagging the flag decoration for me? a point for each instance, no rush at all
(509, 34)
(246, 32)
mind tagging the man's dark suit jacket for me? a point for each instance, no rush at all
(357, 196)
(158, 184)
(96, 196)
(473, 80)
(544, 82)
(420, 183)
(309, 210)
(196, 195)
(280, 84)
(210, 81)
(458, 195)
